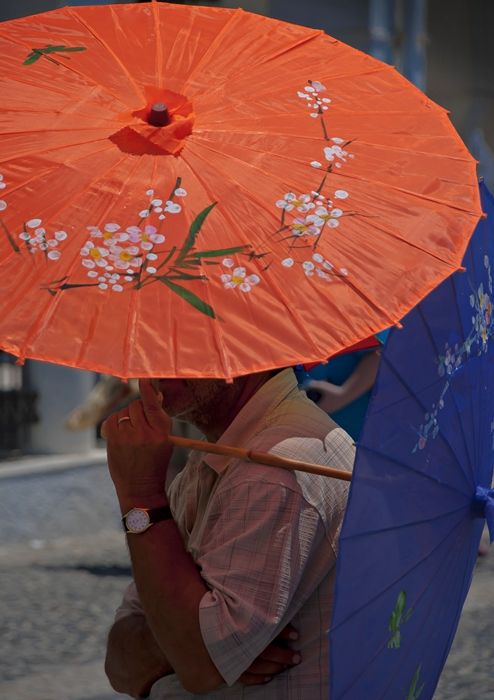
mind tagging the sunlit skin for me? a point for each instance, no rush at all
(209, 404)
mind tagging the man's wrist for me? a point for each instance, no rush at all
(147, 501)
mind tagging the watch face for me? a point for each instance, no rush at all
(137, 520)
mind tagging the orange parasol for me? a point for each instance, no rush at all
(202, 192)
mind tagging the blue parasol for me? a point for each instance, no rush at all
(421, 491)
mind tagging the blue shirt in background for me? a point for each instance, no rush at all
(336, 371)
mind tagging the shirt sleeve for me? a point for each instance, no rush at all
(130, 605)
(264, 556)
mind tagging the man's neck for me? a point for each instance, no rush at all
(219, 416)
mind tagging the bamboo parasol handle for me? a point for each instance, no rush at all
(260, 457)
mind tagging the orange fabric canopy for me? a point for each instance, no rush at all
(302, 197)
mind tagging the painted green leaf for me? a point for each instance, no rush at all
(10, 238)
(77, 286)
(169, 256)
(62, 287)
(220, 252)
(189, 297)
(189, 262)
(185, 276)
(415, 692)
(54, 49)
(195, 227)
(36, 54)
(398, 617)
(32, 58)
(51, 48)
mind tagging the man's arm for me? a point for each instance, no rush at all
(134, 661)
(167, 579)
(170, 586)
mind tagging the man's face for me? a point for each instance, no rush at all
(196, 400)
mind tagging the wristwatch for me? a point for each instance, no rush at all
(139, 520)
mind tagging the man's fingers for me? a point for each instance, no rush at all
(104, 429)
(260, 667)
(151, 402)
(254, 679)
(137, 415)
(273, 660)
(288, 634)
(270, 663)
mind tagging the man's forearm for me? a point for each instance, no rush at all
(134, 661)
(170, 589)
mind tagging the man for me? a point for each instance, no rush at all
(249, 549)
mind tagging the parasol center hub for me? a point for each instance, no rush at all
(159, 115)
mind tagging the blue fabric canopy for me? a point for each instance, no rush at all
(421, 490)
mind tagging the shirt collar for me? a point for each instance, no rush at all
(253, 417)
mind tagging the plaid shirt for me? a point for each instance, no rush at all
(265, 541)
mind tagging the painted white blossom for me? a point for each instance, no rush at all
(290, 201)
(318, 86)
(239, 278)
(308, 267)
(287, 262)
(94, 256)
(304, 226)
(331, 153)
(341, 194)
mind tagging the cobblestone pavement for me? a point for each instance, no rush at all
(63, 568)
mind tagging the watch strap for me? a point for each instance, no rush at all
(155, 515)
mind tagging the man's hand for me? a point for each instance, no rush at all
(134, 661)
(276, 658)
(138, 451)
